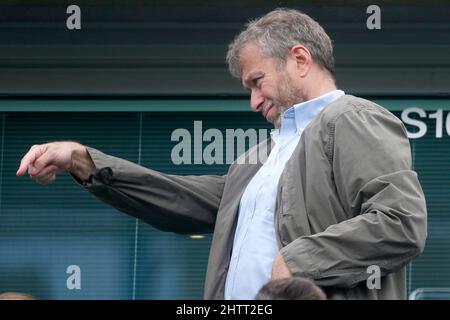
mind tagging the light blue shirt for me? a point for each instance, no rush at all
(255, 245)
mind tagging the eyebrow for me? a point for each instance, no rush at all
(251, 77)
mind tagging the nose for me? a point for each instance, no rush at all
(256, 101)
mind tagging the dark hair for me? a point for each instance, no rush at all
(291, 289)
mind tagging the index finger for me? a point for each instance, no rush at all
(28, 159)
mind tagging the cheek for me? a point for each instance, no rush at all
(269, 91)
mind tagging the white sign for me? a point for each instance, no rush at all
(421, 126)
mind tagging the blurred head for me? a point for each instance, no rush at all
(277, 57)
(16, 296)
(291, 289)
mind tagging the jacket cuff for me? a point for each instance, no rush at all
(297, 256)
(103, 173)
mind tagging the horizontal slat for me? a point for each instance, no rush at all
(185, 105)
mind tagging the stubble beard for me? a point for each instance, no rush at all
(287, 97)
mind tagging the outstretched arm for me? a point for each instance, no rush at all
(182, 204)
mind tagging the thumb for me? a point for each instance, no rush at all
(40, 163)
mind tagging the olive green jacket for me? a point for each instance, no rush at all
(347, 199)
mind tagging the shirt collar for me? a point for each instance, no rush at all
(308, 110)
(304, 112)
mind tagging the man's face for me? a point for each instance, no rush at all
(273, 90)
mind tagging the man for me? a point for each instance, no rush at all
(335, 196)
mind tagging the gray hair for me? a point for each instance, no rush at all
(276, 33)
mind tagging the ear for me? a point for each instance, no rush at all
(303, 59)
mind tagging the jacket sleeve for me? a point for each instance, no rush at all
(180, 204)
(371, 160)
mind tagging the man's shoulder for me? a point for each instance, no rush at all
(349, 105)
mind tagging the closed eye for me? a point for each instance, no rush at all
(257, 81)
(252, 80)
